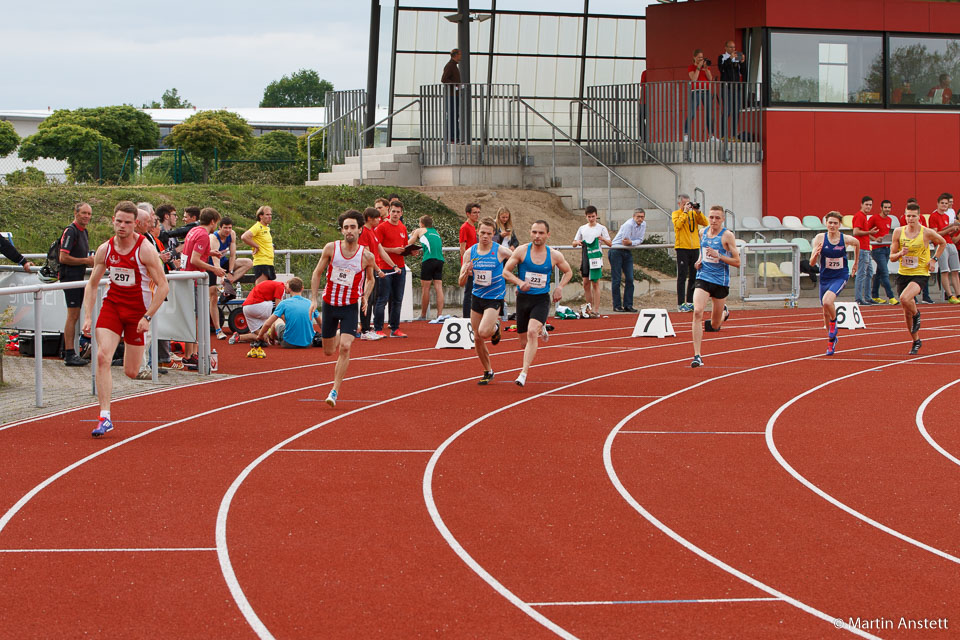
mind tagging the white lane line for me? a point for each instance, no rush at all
(128, 550)
(357, 450)
(687, 544)
(923, 429)
(615, 602)
(711, 433)
(596, 395)
(771, 445)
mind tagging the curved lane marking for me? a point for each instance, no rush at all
(923, 429)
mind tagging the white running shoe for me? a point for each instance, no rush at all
(544, 334)
(521, 379)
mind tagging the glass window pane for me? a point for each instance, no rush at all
(825, 68)
(921, 70)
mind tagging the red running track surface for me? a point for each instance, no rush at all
(619, 494)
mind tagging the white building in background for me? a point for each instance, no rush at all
(295, 120)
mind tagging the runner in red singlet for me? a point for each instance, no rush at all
(137, 289)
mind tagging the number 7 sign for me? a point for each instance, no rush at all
(653, 323)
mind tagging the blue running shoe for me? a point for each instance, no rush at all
(102, 427)
(332, 398)
(832, 344)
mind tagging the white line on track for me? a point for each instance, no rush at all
(923, 430)
(130, 550)
(771, 445)
(597, 395)
(628, 497)
(615, 602)
(701, 433)
(357, 450)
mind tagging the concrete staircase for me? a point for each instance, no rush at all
(389, 166)
(616, 203)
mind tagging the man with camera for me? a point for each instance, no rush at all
(687, 220)
(733, 72)
(700, 76)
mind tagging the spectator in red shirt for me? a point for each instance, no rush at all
(368, 239)
(468, 238)
(949, 263)
(392, 235)
(861, 231)
(880, 252)
(258, 306)
(700, 78)
(197, 248)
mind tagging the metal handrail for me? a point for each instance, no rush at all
(610, 171)
(324, 128)
(730, 214)
(389, 116)
(639, 145)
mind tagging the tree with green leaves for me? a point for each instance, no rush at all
(301, 89)
(83, 148)
(170, 100)
(276, 145)
(124, 125)
(208, 134)
(9, 140)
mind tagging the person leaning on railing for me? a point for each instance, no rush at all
(10, 253)
(700, 78)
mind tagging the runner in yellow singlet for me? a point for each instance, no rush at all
(911, 247)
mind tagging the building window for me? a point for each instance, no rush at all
(825, 68)
(921, 70)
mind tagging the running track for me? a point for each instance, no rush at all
(619, 494)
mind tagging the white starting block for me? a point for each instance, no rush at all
(849, 316)
(456, 333)
(653, 323)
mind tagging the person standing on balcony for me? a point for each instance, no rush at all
(687, 220)
(733, 72)
(700, 77)
(451, 96)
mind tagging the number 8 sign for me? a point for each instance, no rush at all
(456, 333)
(848, 316)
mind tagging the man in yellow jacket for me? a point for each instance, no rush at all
(687, 220)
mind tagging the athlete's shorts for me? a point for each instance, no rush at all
(903, 281)
(716, 291)
(950, 260)
(265, 270)
(74, 297)
(122, 321)
(333, 317)
(832, 284)
(257, 314)
(431, 270)
(480, 305)
(212, 278)
(535, 307)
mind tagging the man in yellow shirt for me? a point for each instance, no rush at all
(687, 220)
(259, 238)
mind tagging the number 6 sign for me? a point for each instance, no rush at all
(653, 323)
(456, 333)
(848, 316)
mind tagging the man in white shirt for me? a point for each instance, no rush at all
(589, 236)
(630, 234)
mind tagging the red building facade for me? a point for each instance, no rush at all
(881, 138)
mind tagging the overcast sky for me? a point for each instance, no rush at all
(68, 54)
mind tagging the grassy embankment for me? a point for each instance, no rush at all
(304, 217)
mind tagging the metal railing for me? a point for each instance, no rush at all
(611, 172)
(339, 135)
(470, 124)
(681, 121)
(390, 116)
(37, 290)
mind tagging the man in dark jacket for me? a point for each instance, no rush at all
(10, 253)
(733, 74)
(451, 95)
